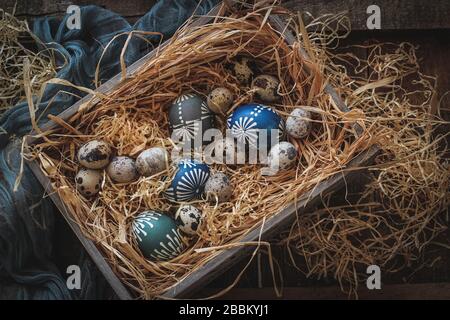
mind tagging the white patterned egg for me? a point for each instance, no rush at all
(94, 154)
(152, 161)
(122, 169)
(189, 219)
(282, 156)
(298, 124)
(88, 181)
(218, 185)
(157, 235)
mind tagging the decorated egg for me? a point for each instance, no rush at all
(282, 156)
(266, 87)
(246, 121)
(188, 182)
(218, 185)
(189, 219)
(298, 124)
(189, 118)
(122, 169)
(157, 236)
(152, 161)
(243, 69)
(94, 154)
(88, 181)
(220, 100)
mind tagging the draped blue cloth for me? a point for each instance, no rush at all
(27, 219)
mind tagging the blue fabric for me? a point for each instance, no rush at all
(27, 220)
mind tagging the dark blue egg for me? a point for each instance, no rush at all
(189, 181)
(246, 121)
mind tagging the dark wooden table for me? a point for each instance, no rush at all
(423, 23)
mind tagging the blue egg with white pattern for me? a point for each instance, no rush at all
(189, 181)
(157, 235)
(247, 120)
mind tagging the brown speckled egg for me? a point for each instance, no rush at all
(220, 100)
(282, 156)
(298, 124)
(88, 181)
(218, 185)
(266, 87)
(243, 69)
(122, 169)
(189, 219)
(94, 154)
(152, 161)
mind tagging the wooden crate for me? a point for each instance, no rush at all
(226, 258)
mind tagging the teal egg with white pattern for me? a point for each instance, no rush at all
(157, 236)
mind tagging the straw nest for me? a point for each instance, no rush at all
(133, 117)
(18, 63)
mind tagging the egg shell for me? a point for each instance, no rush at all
(157, 235)
(298, 124)
(189, 219)
(266, 87)
(282, 156)
(122, 169)
(88, 181)
(189, 118)
(152, 161)
(188, 182)
(219, 185)
(220, 100)
(245, 119)
(243, 69)
(94, 154)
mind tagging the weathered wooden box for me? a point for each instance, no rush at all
(226, 258)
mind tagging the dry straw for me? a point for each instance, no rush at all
(134, 117)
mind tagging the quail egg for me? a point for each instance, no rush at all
(189, 219)
(298, 124)
(94, 154)
(282, 156)
(220, 100)
(88, 181)
(152, 161)
(266, 87)
(122, 169)
(243, 69)
(218, 185)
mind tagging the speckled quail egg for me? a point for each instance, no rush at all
(122, 169)
(220, 100)
(88, 181)
(152, 161)
(219, 185)
(282, 156)
(189, 219)
(298, 124)
(94, 154)
(266, 87)
(243, 69)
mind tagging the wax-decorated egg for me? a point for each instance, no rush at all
(246, 121)
(266, 87)
(189, 219)
(298, 124)
(220, 100)
(88, 181)
(189, 118)
(122, 169)
(218, 185)
(243, 69)
(282, 156)
(152, 161)
(94, 154)
(157, 236)
(188, 182)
